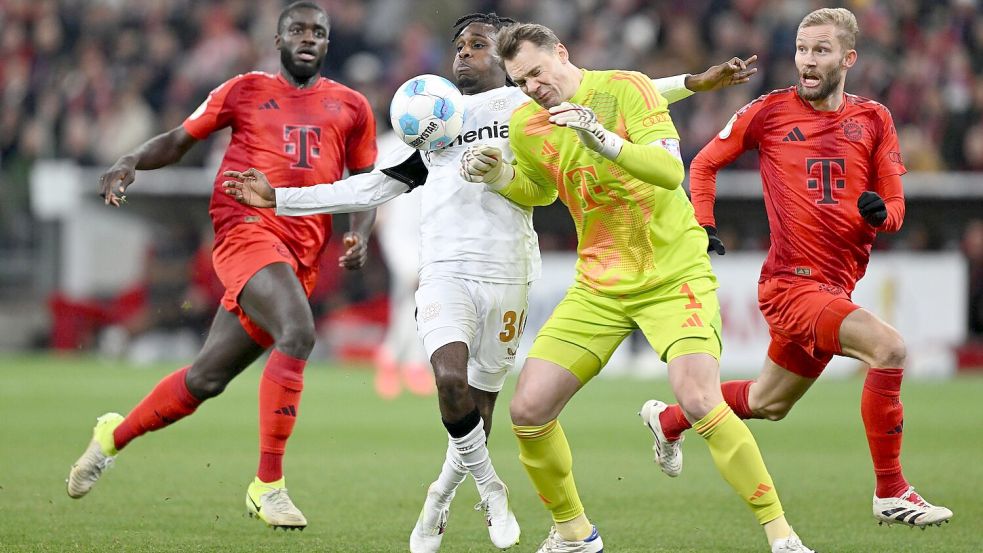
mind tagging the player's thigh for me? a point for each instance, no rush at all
(445, 313)
(864, 336)
(501, 320)
(227, 351)
(777, 389)
(583, 331)
(543, 390)
(275, 300)
(806, 313)
(680, 319)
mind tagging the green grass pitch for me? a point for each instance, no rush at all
(358, 467)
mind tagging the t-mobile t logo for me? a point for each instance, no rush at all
(304, 140)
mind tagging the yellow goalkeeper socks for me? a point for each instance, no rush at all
(545, 454)
(738, 460)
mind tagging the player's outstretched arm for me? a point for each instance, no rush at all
(732, 72)
(357, 193)
(161, 150)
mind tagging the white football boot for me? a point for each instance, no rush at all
(669, 455)
(431, 524)
(909, 509)
(270, 503)
(98, 457)
(503, 529)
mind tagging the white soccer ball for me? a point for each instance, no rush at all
(427, 112)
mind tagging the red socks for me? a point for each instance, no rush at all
(279, 398)
(169, 402)
(883, 415)
(735, 393)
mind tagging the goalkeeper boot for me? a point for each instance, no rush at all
(668, 454)
(909, 509)
(555, 544)
(430, 526)
(98, 457)
(791, 544)
(503, 529)
(270, 503)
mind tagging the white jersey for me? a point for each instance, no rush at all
(468, 230)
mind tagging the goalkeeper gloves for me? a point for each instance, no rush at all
(412, 171)
(482, 163)
(872, 208)
(715, 244)
(584, 121)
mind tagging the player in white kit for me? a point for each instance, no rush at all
(479, 254)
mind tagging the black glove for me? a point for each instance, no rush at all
(715, 244)
(872, 208)
(412, 171)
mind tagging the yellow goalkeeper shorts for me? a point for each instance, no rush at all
(586, 327)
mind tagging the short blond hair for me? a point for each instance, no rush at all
(841, 18)
(511, 38)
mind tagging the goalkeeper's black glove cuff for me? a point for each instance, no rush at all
(412, 171)
(714, 244)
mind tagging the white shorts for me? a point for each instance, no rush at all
(489, 317)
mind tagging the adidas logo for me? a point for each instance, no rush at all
(693, 320)
(289, 411)
(795, 135)
(270, 104)
(762, 489)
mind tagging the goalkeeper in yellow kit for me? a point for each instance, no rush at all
(604, 142)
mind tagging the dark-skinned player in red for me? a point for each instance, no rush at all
(831, 171)
(305, 129)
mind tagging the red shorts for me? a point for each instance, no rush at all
(804, 318)
(241, 253)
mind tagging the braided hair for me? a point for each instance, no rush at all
(492, 19)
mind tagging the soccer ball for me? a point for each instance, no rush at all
(427, 112)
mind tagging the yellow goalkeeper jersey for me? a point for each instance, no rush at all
(631, 235)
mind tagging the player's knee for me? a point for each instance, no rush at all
(526, 411)
(204, 385)
(297, 340)
(774, 410)
(890, 351)
(452, 384)
(695, 403)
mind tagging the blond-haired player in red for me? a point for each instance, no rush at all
(831, 171)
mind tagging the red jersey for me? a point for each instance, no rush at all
(296, 136)
(814, 166)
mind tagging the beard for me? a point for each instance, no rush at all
(827, 85)
(301, 72)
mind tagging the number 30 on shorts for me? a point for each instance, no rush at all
(511, 330)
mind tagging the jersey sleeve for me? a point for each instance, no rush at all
(673, 89)
(356, 193)
(645, 111)
(215, 113)
(361, 146)
(734, 139)
(887, 152)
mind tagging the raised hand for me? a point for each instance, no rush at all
(250, 187)
(584, 121)
(732, 72)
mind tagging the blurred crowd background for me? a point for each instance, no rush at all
(87, 80)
